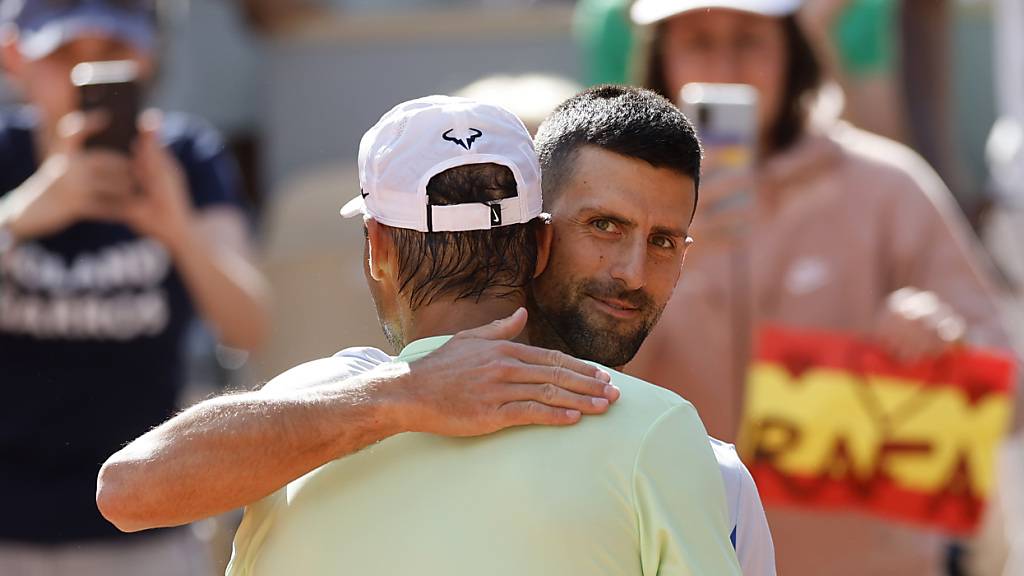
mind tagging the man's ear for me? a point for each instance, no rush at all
(545, 235)
(687, 244)
(380, 248)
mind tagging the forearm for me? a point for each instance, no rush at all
(231, 451)
(13, 205)
(228, 291)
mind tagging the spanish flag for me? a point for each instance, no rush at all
(832, 422)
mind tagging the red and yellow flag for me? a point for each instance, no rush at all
(832, 422)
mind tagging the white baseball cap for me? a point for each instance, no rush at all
(646, 12)
(421, 138)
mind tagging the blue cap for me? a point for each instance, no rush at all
(46, 25)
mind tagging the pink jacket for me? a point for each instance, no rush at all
(842, 220)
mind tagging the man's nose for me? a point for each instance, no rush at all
(631, 265)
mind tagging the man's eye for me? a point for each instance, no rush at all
(663, 242)
(605, 225)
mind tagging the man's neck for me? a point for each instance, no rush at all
(541, 332)
(446, 317)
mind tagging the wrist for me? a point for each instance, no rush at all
(363, 410)
(392, 398)
(182, 236)
(12, 209)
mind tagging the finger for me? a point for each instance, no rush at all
(571, 382)
(556, 397)
(542, 357)
(148, 125)
(74, 128)
(152, 163)
(531, 412)
(502, 329)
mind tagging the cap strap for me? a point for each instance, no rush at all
(475, 216)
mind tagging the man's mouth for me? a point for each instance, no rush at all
(616, 308)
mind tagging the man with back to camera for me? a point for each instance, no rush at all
(606, 132)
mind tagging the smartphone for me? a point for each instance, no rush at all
(725, 116)
(111, 86)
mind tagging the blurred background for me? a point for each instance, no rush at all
(293, 84)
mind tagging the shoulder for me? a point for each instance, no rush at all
(648, 403)
(345, 364)
(733, 469)
(212, 174)
(188, 133)
(889, 165)
(643, 396)
(650, 413)
(740, 489)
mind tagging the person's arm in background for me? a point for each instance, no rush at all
(71, 184)
(231, 451)
(935, 258)
(210, 245)
(680, 500)
(935, 250)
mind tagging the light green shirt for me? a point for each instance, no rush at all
(636, 491)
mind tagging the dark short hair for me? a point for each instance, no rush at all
(496, 263)
(634, 122)
(804, 77)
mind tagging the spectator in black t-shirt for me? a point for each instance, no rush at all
(104, 259)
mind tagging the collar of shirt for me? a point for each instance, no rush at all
(422, 347)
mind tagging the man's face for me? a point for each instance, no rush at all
(620, 233)
(46, 82)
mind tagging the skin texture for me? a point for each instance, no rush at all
(620, 228)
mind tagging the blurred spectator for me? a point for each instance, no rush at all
(844, 231)
(104, 260)
(604, 34)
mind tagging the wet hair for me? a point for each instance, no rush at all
(804, 76)
(473, 264)
(633, 122)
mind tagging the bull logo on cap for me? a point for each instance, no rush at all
(465, 143)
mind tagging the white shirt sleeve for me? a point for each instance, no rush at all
(345, 364)
(750, 534)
